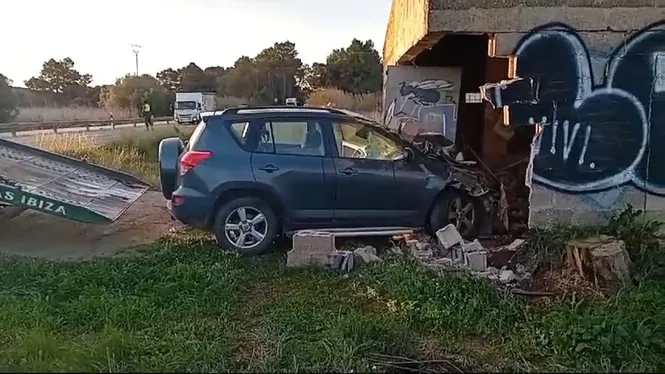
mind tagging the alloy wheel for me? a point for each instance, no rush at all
(462, 214)
(245, 227)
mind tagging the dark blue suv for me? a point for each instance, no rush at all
(251, 174)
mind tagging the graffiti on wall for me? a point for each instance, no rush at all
(598, 133)
(424, 97)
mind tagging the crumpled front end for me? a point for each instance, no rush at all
(468, 176)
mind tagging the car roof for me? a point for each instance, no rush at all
(282, 111)
(246, 112)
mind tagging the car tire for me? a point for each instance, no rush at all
(447, 209)
(229, 226)
(169, 152)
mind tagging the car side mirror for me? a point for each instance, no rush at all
(406, 155)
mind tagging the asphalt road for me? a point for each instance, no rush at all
(105, 134)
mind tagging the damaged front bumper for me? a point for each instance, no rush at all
(468, 176)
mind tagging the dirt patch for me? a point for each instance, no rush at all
(36, 234)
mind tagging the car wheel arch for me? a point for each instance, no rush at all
(262, 192)
(437, 200)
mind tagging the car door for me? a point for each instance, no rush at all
(365, 176)
(290, 156)
(416, 185)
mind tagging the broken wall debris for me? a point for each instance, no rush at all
(472, 177)
(312, 247)
(452, 253)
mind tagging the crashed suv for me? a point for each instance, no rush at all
(251, 174)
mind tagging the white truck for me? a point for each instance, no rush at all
(189, 105)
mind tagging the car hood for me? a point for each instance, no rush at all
(439, 156)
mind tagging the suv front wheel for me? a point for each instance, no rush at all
(457, 208)
(246, 225)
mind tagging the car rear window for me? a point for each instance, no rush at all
(196, 135)
(241, 131)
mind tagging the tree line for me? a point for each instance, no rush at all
(273, 75)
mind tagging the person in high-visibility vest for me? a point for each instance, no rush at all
(147, 116)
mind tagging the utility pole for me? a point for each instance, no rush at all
(136, 49)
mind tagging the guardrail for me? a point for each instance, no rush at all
(14, 128)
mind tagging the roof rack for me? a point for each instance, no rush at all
(283, 109)
(286, 109)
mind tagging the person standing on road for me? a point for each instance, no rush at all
(147, 116)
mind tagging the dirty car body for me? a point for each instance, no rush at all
(249, 174)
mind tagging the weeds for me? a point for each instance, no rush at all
(367, 103)
(132, 154)
(186, 306)
(546, 248)
(643, 241)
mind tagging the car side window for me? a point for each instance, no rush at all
(291, 137)
(240, 130)
(266, 143)
(355, 140)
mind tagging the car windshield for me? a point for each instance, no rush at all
(384, 131)
(185, 105)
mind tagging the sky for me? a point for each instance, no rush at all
(97, 34)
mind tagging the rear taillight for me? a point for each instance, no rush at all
(190, 159)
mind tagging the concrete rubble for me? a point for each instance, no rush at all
(311, 247)
(449, 252)
(368, 254)
(452, 253)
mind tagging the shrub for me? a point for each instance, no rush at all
(360, 103)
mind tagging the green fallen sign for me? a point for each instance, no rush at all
(18, 197)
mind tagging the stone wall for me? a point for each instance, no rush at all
(601, 98)
(407, 25)
(598, 68)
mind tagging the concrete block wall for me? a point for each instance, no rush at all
(600, 68)
(407, 25)
(601, 98)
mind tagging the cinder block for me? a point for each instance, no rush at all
(449, 236)
(311, 247)
(476, 261)
(473, 246)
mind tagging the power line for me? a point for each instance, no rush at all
(136, 49)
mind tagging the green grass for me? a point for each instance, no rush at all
(186, 306)
(134, 152)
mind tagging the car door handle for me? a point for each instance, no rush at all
(349, 171)
(269, 168)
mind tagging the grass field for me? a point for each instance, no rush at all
(184, 305)
(132, 154)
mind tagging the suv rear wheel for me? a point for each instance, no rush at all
(457, 208)
(246, 225)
